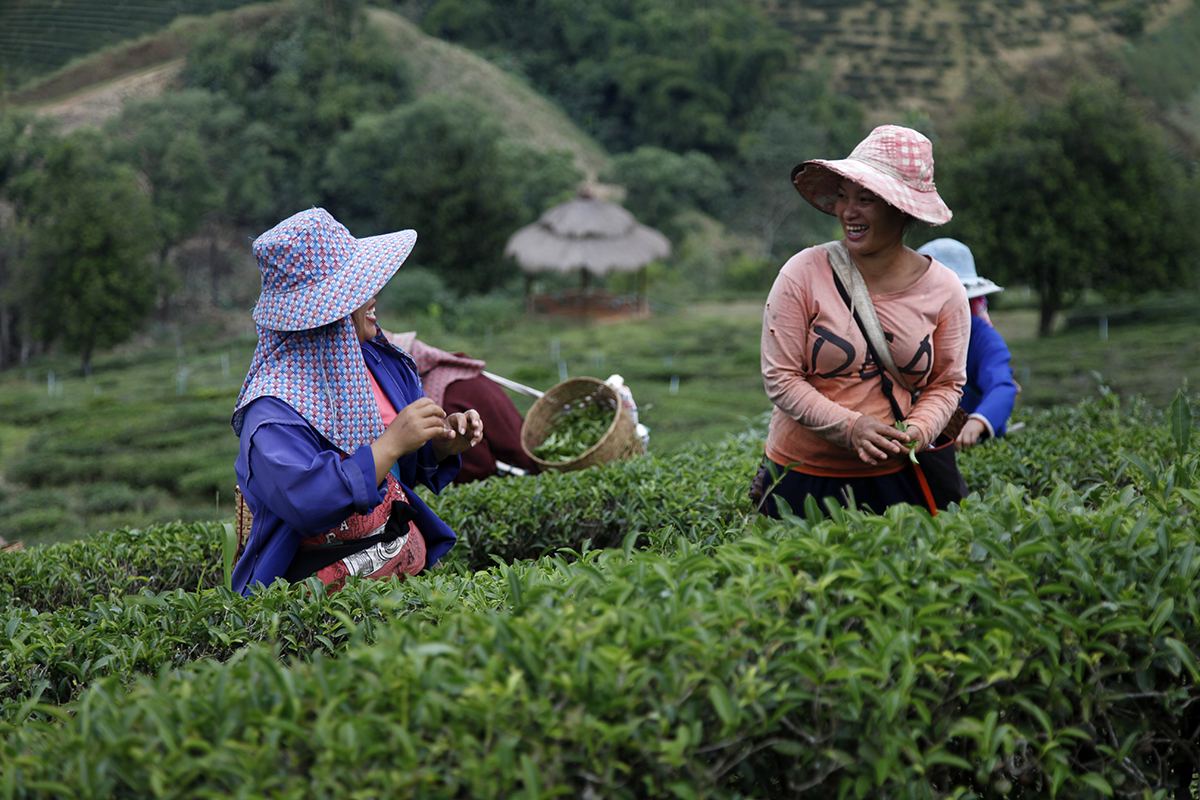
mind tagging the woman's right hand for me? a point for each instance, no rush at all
(876, 441)
(416, 424)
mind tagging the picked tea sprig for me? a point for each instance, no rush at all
(901, 425)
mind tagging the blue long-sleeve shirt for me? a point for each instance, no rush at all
(990, 392)
(297, 484)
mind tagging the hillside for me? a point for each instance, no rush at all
(440, 67)
(896, 55)
(893, 55)
(93, 88)
(39, 37)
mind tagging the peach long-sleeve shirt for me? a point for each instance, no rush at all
(820, 376)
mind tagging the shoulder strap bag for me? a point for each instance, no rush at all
(937, 471)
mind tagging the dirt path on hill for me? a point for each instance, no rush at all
(96, 104)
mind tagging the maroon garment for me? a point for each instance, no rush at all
(501, 427)
(437, 368)
(455, 382)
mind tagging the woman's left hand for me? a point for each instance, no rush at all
(915, 435)
(463, 430)
(969, 436)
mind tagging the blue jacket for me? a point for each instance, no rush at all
(990, 392)
(297, 484)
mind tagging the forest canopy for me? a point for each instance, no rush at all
(701, 105)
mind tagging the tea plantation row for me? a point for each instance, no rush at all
(634, 631)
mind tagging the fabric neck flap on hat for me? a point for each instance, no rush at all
(321, 374)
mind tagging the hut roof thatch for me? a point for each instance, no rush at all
(586, 233)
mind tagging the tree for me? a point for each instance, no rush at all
(23, 143)
(302, 79)
(205, 167)
(442, 167)
(91, 234)
(678, 74)
(660, 185)
(765, 204)
(1071, 194)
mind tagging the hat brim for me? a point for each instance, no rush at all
(978, 287)
(374, 262)
(817, 182)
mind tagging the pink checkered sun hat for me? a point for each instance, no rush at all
(893, 162)
(314, 272)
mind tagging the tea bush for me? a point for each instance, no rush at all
(158, 559)
(1009, 648)
(1077, 445)
(701, 491)
(52, 656)
(632, 631)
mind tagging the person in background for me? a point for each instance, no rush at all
(831, 431)
(990, 392)
(334, 431)
(456, 382)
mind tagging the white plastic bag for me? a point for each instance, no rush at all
(618, 383)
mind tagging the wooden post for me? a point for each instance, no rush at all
(643, 302)
(584, 277)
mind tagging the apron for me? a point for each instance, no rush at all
(380, 544)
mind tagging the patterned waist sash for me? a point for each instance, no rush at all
(379, 544)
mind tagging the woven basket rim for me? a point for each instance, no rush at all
(619, 412)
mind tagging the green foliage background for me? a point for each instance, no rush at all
(1073, 193)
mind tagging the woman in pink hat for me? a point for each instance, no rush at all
(833, 431)
(335, 432)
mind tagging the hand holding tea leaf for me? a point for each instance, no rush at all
(902, 426)
(874, 440)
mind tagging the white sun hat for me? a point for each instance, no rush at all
(957, 256)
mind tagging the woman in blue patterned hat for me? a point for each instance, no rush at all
(335, 432)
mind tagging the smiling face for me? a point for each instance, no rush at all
(365, 324)
(871, 225)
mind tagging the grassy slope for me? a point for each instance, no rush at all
(115, 62)
(92, 87)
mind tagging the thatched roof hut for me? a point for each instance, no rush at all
(586, 234)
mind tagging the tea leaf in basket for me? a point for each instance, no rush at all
(574, 432)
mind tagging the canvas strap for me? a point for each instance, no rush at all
(860, 301)
(845, 274)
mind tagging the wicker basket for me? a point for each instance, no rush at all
(620, 441)
(245, 518)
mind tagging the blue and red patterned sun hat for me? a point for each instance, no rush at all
(314, 272)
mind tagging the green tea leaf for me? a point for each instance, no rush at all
(1180, 414)
(1097, 781)
(574, 432)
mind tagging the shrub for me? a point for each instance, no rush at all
(162, 558)
(108, 498)
(1011, 647)
(208, 481)
(1026, 643)
(700, 492)
(48, 524)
